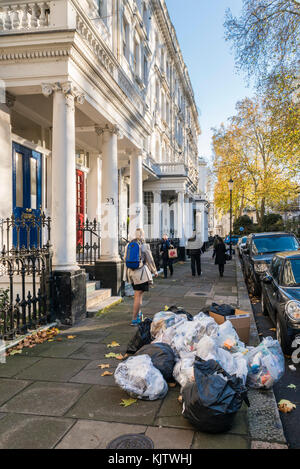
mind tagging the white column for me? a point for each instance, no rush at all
(156, 210)
(94, 188)
(181, 218)
(136, 193)
(109, 195)
(63, 233)
(187, 217)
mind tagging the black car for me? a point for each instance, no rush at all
(259, 251)
(281, 297)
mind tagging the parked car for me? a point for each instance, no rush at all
(259, 252)
(242, 244)
(234, 240)
(280, 297)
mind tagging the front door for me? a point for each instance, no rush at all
(27, 191)
(79, 205)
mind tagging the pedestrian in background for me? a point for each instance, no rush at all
(220, 254)
(166, 244)
(195, 248)
(139, 267)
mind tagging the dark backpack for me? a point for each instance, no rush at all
(133, 255)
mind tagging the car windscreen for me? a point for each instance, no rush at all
(291, 273)
(271, 244)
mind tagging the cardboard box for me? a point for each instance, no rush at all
(240, 321)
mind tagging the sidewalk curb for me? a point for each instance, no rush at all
(265, 425)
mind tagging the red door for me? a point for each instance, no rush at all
(79, 204)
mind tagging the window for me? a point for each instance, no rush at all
(136, 58)
(145, 70)
(275, 268)
(291, 273)
(19, 179)
(125, 38)
(148, 201)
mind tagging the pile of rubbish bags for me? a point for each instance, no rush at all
(209, 361)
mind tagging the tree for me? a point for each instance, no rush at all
(266, 35)
(245, 222)
(272, 222)
(248, 151)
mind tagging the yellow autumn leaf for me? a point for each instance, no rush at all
(107, 373)
(286, 406)
(128, 402)
(70, 337)
(113, 344)
(103, 366)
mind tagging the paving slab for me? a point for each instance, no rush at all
(87, 434)
(266, 445)
(10, 387)
(170, 438)
(55, 349)
(53, 399)
(89, 351)
(15, 364)
(103, 403)
(121, 337)
(52, 369)
(31, 432)
(223, 441)
(91, 374)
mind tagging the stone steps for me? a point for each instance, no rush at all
(103, 305)
(97, 296)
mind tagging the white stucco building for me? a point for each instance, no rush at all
(99, 122)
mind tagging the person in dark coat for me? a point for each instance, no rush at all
(220, 254)
(164, 251)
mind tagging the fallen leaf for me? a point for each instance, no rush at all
(59, 339)
(286, 406)
(15, 352)
(166, 308)
(111, 355)
(70, 337)
(107, 373)
(273, 329)
(180, 399)
(119, 357)
(103, 366)
(113, 344)
(292, 386)
(50, 340)
(128, 402)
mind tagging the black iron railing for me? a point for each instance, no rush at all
(88, 249)
(25, 231)
(25, 276)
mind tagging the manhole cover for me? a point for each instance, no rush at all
(131, 442)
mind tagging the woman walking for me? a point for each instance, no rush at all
(164, 251)
(139, 267)
(220, 254)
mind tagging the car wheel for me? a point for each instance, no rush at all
(282, 337)
(263, 305)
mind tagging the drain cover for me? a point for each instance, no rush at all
(131, 442)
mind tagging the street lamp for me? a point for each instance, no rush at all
(230, 185)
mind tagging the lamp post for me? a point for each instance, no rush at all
(230, 185)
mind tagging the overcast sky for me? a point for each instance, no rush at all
(217, 86)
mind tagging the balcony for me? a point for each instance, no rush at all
(173, 169)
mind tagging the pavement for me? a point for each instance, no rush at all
(53, 396)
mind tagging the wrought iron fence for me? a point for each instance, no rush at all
(30, 229)
(88, 248)
(25, 277)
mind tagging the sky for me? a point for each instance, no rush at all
(216, 83)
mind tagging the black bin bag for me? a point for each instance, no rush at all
(162, 357)
(176, 310)
(211, 403)
(141, 337)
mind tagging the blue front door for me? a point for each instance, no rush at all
(27, 191)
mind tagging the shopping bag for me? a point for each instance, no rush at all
(172, 253)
